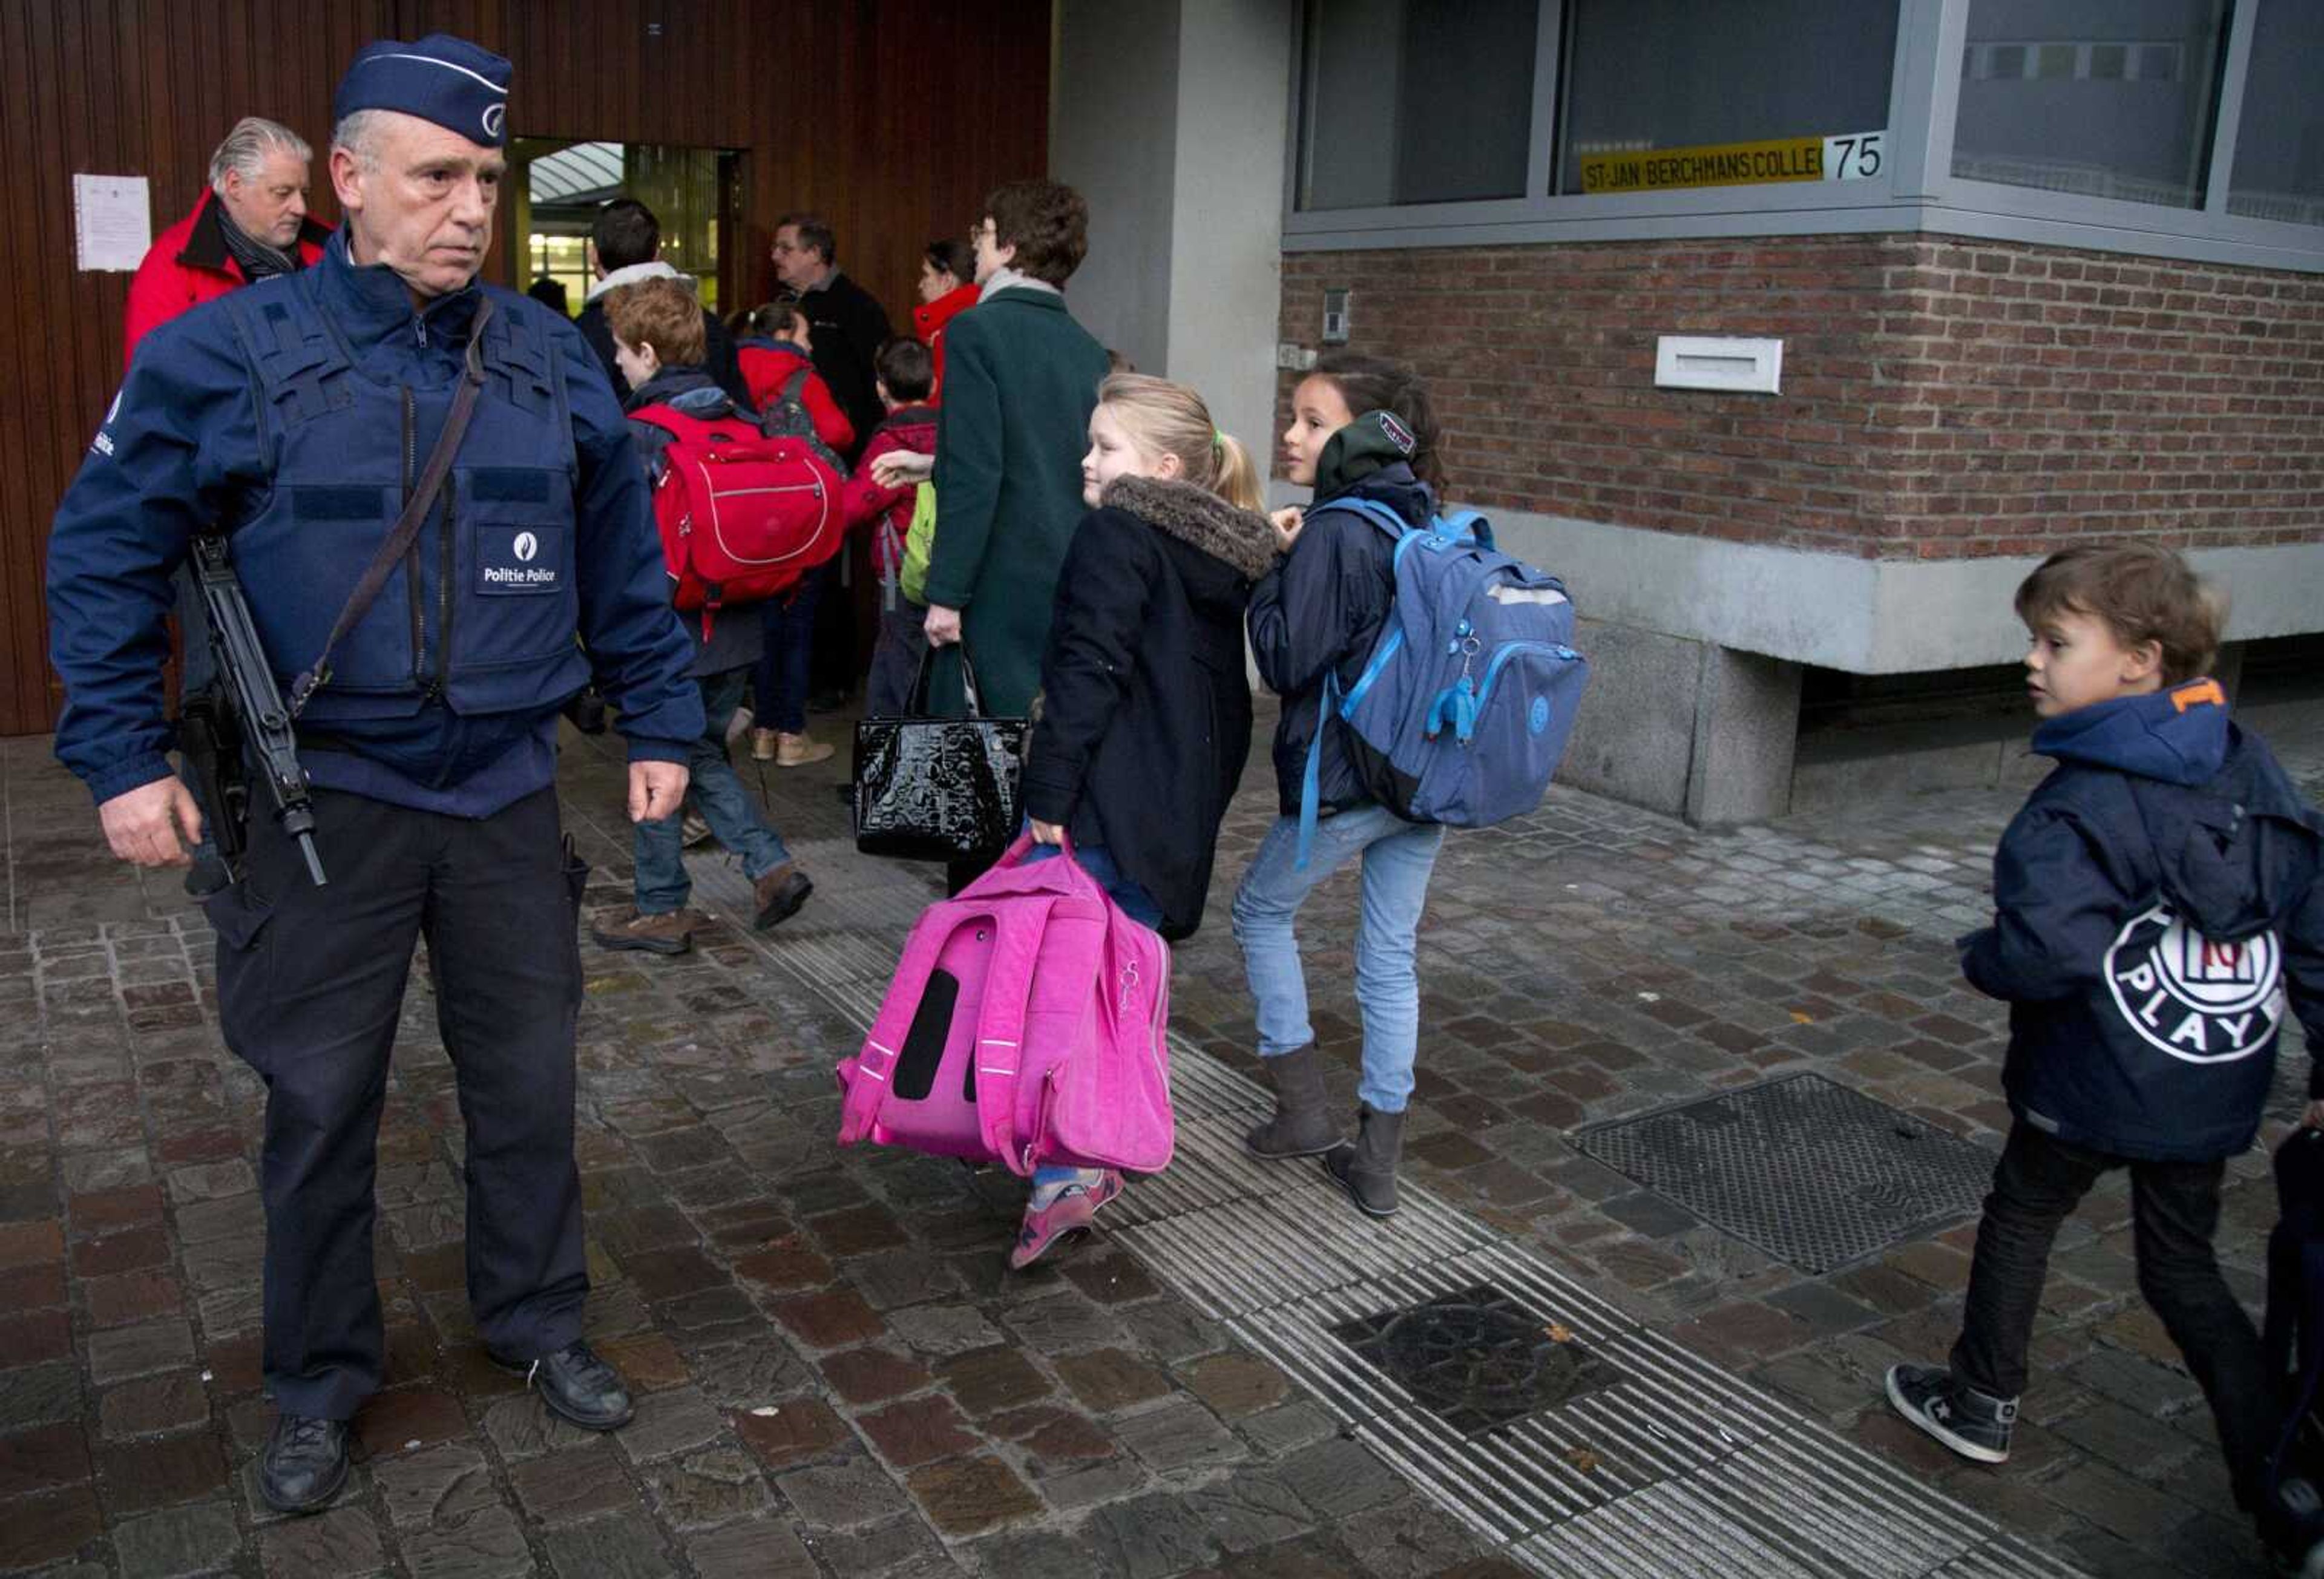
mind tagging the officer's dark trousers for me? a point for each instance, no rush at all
(310, 983)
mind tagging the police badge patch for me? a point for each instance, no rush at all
(2194, 997)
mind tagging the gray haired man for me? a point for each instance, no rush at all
(249, 223)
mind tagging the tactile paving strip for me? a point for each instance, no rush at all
(1816, 1175)
(1675, 1469)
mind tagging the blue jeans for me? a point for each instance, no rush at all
(1135, 902)
(788, 624)
(715, 792)
(1398, 857)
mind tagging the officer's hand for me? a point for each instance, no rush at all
(142, 825)
(656, 790)
(1047, 833)
(943, 626)
(1286, 523)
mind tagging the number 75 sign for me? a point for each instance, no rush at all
(1853, 158)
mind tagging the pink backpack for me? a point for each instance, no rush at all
(1025, 1023)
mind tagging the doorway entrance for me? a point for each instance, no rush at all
(558, 187)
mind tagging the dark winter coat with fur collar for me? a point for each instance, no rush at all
(1144, 718)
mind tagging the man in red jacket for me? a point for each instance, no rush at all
(251, 223)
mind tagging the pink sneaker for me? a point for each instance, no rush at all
(1067, 1217)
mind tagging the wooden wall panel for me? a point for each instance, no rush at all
(892, 117)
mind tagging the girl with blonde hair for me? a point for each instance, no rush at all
(1144, 716)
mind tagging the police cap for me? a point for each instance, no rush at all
(460, 86)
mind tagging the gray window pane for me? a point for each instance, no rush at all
(1416, 101)
(2110, 98)
(2279, 171)
(1644, 75)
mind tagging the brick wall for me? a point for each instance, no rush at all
(1940, 398)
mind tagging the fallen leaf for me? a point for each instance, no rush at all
(1559, 1333)
(1582, 1458)
(1800, 1019)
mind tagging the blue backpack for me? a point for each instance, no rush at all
(1464, 705)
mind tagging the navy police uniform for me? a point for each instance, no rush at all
(296, 414)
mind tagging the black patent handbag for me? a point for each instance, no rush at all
(938, 789)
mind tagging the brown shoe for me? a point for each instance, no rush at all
(670, 932)
(781, 893)
(796, 750)
(764, 743)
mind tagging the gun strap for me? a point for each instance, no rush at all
(406, 531)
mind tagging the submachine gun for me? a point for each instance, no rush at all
(240, 722)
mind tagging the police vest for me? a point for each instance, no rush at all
(484, 612)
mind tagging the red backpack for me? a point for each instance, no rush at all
(742, 514)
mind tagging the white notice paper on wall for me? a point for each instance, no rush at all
(113, 222)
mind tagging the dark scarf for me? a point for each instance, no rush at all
(258, 259)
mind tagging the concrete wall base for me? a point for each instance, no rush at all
(1688, 728)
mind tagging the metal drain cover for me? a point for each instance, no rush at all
(1475, 1360)
(1812, 1173)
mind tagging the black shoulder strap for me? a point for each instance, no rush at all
(415, 515)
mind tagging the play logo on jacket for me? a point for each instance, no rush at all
(2194, 997)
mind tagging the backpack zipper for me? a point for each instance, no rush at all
(1557, 650)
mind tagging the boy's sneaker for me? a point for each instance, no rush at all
(738, 725)
(694, 832)
(778, 895)
(1962, 1417)
(670, 932)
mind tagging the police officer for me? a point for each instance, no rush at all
(295, 415)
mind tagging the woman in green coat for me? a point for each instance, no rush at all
(1021, 381)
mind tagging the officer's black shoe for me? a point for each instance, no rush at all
(576, 1384)
(305, 1464)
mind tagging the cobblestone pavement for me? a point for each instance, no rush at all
(836, 1377)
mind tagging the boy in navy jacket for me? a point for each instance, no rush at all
(2155, 899)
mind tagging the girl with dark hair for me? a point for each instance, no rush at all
(947, 289)
(1361, 428)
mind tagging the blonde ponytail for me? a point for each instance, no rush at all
(1238, 481)
(1169, 418)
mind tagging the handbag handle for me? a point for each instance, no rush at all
(916, 705)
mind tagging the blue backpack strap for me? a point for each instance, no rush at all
(1373, 511)
(1311, 780)
(1467, 525)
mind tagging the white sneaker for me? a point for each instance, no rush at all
(738, 727)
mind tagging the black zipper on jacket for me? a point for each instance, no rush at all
(444, 601)
(417, 598)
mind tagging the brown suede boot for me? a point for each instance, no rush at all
(1302, 1125)
(1367, 1169)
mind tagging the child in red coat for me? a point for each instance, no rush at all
(904, 376)
(774, 354)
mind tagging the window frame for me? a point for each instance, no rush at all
(1915, 192)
